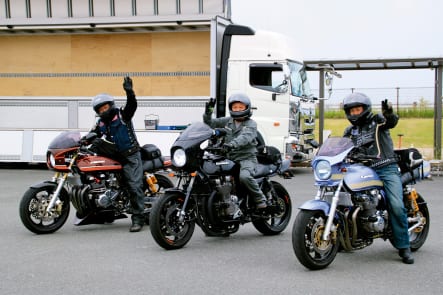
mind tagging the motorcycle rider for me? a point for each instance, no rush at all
(121, 144)
(240, 140)
(364, 134)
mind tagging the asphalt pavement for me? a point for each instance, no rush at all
(108, 259)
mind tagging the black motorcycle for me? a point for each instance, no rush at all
(208, 192)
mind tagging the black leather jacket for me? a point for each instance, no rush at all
(364, 137)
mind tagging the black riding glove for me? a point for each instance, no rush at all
(127, 85)
(227, 147)
(379, 118)
(84, 141)
(209, 107)
(386, 108)
(219, 132)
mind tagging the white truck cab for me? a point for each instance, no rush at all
(265, 66)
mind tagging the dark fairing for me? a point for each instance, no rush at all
(334, 146)
(64, 140)
(195, 132)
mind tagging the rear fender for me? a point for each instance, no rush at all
(315, 205)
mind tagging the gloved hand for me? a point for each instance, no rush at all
(386, 108)
(84, 141)
(219, 132)
(209, 107)
(379, 119)
(227, 147)
(127, 84)
(88, 138)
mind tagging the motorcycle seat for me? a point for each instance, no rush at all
(264, 170)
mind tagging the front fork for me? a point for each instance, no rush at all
(61, 182)
(182, 212)
(331, 215)
(61, 179)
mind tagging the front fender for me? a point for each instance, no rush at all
(174, 190)
(45, 183)
(314, 205)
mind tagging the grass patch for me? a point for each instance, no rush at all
(417, 132)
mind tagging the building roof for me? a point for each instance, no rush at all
(374, 64)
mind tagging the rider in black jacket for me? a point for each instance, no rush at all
(120, 143)
(370, 132)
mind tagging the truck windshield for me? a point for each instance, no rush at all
(299, 80)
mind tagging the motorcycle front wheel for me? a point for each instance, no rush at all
(276, 223)
(313, 252)
(33, 212)
(168, 228)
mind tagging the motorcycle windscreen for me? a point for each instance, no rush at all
(334, 146)
(195, 133)
(64, 140)
(359, 178)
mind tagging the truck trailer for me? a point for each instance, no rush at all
(174, 74)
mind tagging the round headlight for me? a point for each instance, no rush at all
(323, 170)
(179, 158)
(50, 160)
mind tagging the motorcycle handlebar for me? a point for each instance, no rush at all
(84, 149)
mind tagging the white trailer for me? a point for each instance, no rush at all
(264, 65)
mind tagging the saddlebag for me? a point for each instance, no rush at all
(410, 162)
(269, 155)
(151, 157)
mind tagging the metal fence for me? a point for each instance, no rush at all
(400, 97)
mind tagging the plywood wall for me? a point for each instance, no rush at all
(162, 64)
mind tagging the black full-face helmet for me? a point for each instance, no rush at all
(354, 100)
(99, 101)
(243, 98)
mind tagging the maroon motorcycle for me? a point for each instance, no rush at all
(92, 183)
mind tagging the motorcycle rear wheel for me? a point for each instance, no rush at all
(276, 223)
(167, 230)
(33, 213)
(418, 236)
(163, 182)
(310, 249)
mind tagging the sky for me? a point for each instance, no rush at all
(356, 29)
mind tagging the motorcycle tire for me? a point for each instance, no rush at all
(275, 224)
(309, 248)
(33, 214)
(417, 237)
(167, 230)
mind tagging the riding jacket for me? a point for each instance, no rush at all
(364, 137)
(241, 135)
(120, 130)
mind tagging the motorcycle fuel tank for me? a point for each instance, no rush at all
(94, 163)
(223, 167)
(358, 178)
